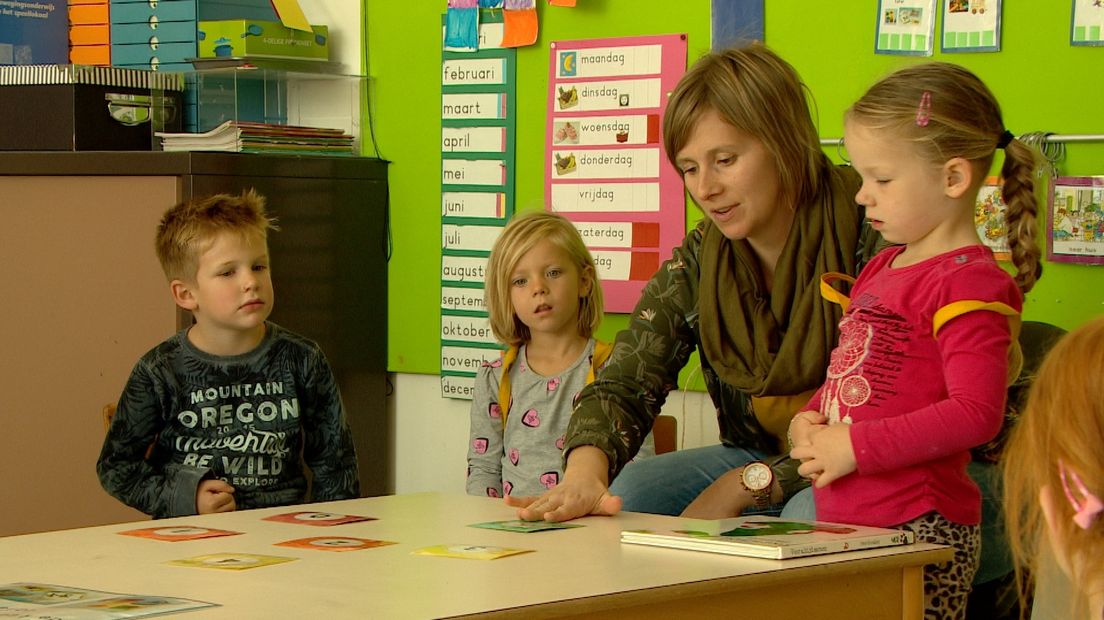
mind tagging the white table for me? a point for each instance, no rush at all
(573, 573)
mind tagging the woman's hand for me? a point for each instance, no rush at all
(583, 491)
(828, 456)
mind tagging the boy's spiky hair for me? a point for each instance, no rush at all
(188, 228)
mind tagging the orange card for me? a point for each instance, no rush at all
(317, 518)
(175, 533)
(334, 543)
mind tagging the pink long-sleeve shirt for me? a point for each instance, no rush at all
(916, 402)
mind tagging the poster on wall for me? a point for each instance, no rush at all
(989, 218)
(905, 27)
(606, 168)
(34, 33)
(971, 26)
(478, 135)
(735, 22)
(1087, 23)
(1075, 224)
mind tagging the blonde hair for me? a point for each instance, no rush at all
(522, 234)
(188, 228)
(760, 94)
(945, 111)
(1063, 421)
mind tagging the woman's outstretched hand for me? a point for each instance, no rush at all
(583, 491)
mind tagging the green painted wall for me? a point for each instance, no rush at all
(830, 43)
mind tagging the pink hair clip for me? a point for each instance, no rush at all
(923, 113)
(1086, 511)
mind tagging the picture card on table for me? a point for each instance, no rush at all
(518, 525)
(231, 561)
(470, 552)
(43, 601)
(334, 543)
(178, 532)
(317, 518)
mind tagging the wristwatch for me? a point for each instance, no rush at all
(758, 478)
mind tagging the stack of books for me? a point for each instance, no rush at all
(248, 137)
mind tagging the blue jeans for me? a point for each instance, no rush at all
(801, 506)
(667, 483)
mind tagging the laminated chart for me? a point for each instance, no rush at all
(1087, 23)
(606, 169)
(971, 26)
(905, 28)
(478, 134)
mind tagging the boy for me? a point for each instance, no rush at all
(233, 405)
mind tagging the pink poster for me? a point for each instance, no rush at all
(606, 169)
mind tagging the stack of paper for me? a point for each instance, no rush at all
(247, 137)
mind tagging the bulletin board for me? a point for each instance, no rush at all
(1039, 78)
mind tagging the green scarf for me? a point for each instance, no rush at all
(778, 342)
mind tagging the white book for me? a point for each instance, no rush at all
(769, 537)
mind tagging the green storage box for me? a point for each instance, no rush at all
(235, 38)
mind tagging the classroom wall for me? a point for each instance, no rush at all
(1039, 79)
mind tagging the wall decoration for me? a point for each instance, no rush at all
(520, 19)
(989, 218)
(905, 27)
(1075, 224)
(1087, 23)
(734, 22)
(971, 26)
(606, 167)
(462, 25)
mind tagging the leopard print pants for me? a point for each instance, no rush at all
(947, 585)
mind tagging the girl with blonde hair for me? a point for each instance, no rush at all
(928, 340)
(545, 302)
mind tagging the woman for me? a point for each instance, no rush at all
(742, 289)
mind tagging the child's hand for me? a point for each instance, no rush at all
(804, 426)
(214, 495)
(829, 456)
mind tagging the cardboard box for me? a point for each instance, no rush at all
(82, 108)
(235, 38)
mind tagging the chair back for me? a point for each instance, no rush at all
(665, 433)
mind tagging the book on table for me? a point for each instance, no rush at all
(769, 537)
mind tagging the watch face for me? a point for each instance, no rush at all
(757, 476)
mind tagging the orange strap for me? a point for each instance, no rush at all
(964, 306)
(602, 351)
(827, 291)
